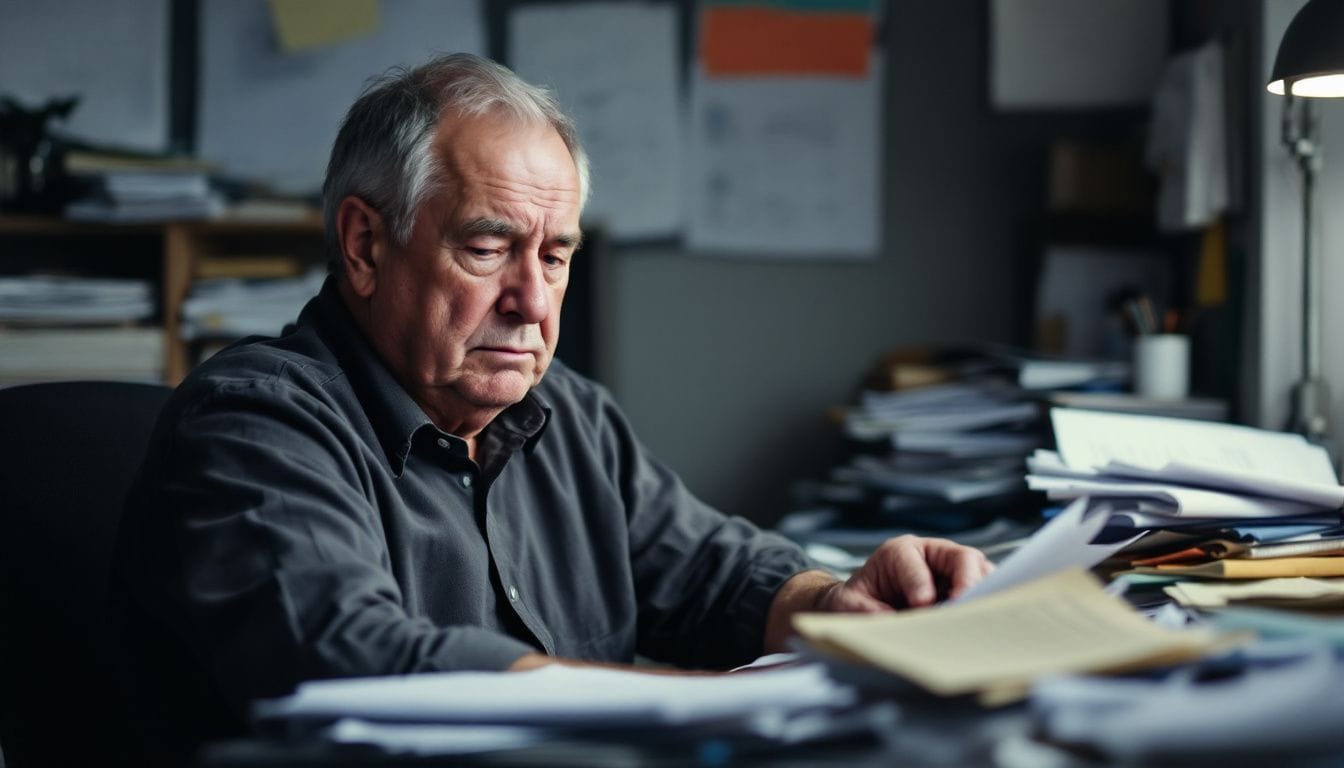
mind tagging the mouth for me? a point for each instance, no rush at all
(509, 352)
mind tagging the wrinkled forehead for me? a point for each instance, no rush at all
(499, 142)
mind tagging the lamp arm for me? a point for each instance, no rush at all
(1311, 398)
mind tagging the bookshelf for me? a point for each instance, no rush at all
(168, 253)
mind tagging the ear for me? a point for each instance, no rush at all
(360, 232)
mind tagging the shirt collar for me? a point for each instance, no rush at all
(394, 415)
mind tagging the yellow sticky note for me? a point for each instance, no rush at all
(305, 24)
(1211, 279)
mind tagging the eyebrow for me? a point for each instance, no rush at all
(495, 227)
(502, 228)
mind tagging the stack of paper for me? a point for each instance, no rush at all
(1269, 707)
(144, 189)
(59, 327)
(46, 354)
(229, 308)
(940, 458)
(1200, 501)
(998, 645)
(439, 713)
(61, 300)
(1163, 468)
(1297, 593)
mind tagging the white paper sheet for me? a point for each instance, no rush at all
(1064, 542)
(271, 117)
(1225, 457)
(114, 56)
(786, 166)
(433, 738)
(1275, 708)
(1180, 500)
(1313, 494)
(1090, 439)
(561, 695)
(616, 68)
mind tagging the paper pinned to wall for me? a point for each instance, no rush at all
(270, 117)
(61, 48)
(786, 158)
(614, 66)
(304, 24)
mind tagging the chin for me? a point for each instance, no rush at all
(502, 389)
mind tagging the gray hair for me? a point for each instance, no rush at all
(383, 152)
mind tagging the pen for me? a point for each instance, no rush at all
(1149, 317)
(1171, 321)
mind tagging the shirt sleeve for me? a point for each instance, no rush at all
(270, 557)
(704, 580)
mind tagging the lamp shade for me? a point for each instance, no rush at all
(1311, 55)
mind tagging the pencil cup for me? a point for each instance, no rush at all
(1162, 366)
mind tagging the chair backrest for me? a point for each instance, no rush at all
(68, 454)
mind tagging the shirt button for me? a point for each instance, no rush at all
(466, 481)
(513, 594)
(443, 442)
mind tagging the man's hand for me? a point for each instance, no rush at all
(908, 572)
(905, 572)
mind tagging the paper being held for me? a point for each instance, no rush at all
(1063, 542)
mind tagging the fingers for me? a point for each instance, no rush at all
(906, 565)
(965, 568)
(910, 569)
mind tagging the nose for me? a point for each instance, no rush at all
(525, 294)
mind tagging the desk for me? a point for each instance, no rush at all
(937, 733)
(927, 732)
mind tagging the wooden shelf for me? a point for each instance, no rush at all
(181, 244)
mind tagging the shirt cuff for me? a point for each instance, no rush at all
(467, 648)
(780, 561)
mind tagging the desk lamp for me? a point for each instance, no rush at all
(1310, 64)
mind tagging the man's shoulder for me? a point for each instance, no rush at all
(293, 363)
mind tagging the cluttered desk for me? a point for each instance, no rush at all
(1181, 608)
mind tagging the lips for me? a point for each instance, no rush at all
(509, 350)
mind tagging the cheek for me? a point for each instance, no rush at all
(550, 327)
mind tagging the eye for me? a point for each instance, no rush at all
(554, 260)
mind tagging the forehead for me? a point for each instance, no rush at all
(493, 160)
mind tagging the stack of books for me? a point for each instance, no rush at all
(122, 188)
(55, 328)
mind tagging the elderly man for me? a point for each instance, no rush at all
(406, 481)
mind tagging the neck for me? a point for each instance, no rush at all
(446, 418)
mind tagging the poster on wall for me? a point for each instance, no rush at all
(62, 48)
(272, 93)
(615, 67)
(786, 152)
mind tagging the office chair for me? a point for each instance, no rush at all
(68, 453)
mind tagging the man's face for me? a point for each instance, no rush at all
(467, 314)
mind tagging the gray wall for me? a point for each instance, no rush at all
(726, 367)
(1274, 337)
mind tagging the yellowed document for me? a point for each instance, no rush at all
(1272, 568)
(997, 645)
(1301, 593)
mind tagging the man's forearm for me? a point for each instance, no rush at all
(806, 591)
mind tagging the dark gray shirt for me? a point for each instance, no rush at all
(298, 516)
